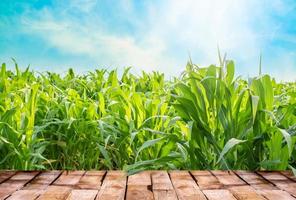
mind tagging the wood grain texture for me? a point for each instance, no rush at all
(245, 192)
(149, 185)
(288, 187)
(82, 194)
(24, 176)
(228, 178)
(141, 178)
(162, 186)
(255, 180)
(114, 186)
(280, 181)
(273, 176)
(4, 175)
(69, 178)
(25, 195)
(139, 186)
(16, 182)
(138, 192)
(164, 195)
(218, 194)
(289, 174)
(161, 181)
(91, 180)
(56, 192)
(185, 186)
(43, 180)
(276, 195)
(206, 180)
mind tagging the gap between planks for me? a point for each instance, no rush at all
(84, 185)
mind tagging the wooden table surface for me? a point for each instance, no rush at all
(115, 185)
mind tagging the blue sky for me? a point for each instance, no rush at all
(149, 35)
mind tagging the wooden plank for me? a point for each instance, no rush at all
(138, 192)
(147, 185)
(16, 182)
(264, 187)
(113, 186)
(164, 195)
(228, 178)
(185, 186)
(280, 181)
(218, 194)
(56, 192)
(206, 180)
(161, 181)
(276, 195)
(43, 180)
(141, 178)
(289, 174)
(288, 187)
(24, 176)
(273, 176)
(255, 180)
(139, 186)
(250, 177)
(245, 192)
(7, 188)
(25, 195)
(82, 194)
(69, 178)
(201, 173)
(91, 180)
(161, 186)
(4, 175)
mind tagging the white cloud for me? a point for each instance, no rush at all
(199, 26)
(163, 39)
(90, 40)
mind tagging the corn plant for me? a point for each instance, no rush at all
(234, 123)
(205, 119)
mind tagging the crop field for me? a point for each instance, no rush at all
(206, 118)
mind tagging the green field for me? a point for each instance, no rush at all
(204, 119)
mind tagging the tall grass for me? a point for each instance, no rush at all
(205, 119)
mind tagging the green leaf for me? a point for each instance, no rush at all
(268, 92)
(230, 72)
(106, 156)
(293, 170)
(148, 144)
(288, 140)
(229, 145)
(255, 100)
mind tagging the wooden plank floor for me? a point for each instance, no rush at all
(172, 185)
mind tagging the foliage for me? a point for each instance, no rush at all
(205, 119)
